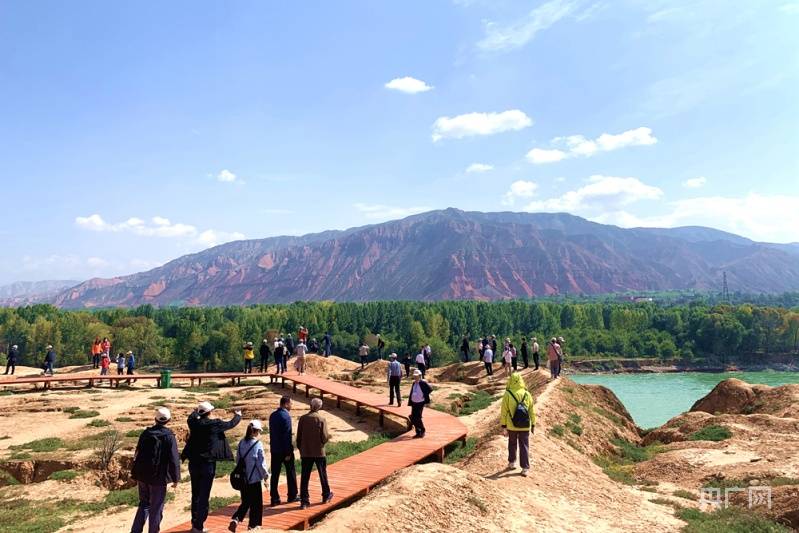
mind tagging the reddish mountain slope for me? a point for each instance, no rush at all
(450, 254)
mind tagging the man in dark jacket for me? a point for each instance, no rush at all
(205, 446)
(155, 465)
(281, 451)
(289, 347)
(312, 435)
(264, 352)
(465, 349)
(327, 344)
(49, 360)
(417, 399)
(11, 359)
(524, 352)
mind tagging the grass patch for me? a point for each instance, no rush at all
(336, 451)
(570, 390)
(712, 433)
(477, 503)
(218, 502)
(623, 473)
(440, 407)
(224, 468)
(80, 413)
(71, 409)
(619, 466)
(7, 479)
(649, 489)
(134, 433)
(64, 475)
(574, 424)
(157, 398)
(123, 419)
(630, 453)
(20, 456)
(206, 387)
(458, 451)
(747, 481)
(6, 393)
(30, 516)
(557, 430)
(686, 494)
(98, 423)
(223, 402)
(729, 520)
(667, 502)
(87, 442)
(616, 419)
(475, 402)
(50, 444)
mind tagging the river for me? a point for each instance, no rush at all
(652, 399)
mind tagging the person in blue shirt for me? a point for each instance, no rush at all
(131, 363)
(250, 453)
(394, 379)
(281, 451)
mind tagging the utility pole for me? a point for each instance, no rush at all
(725, 290)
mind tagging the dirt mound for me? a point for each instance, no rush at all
(328, 366)
(374, 371)
(733, 396)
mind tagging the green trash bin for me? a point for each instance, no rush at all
(166, 379)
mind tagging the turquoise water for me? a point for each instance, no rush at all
(652, 399)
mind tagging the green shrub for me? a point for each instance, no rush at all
(98, 423)
(71, 409)
(30, 516)
(7, 479)
(49, 444)
(474, 402)
(574, 424)
(558, 430)
(124, 419)
(134, 433)
(729, 520)
(623, 473)
(687, 494)
(224, 468)
(64, 475)
(84, 414)
(631, 453)
(457, 451)
(219, 502)
(712, 433)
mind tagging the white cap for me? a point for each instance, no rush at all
(393, 355)
(162, 414)
(256, 424)
(15, 346)
(205, 407)
(417, 372)
(49, 346)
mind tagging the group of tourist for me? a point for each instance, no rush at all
(487, 350)
(156, 463)
(283, 347)
(101, 358)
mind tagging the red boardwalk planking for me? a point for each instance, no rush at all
(354, 476)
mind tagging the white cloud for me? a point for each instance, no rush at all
(580, 146)
(479, 167)
(500, 37)
(601, 194)
(539, 155)
(387, 212)
(752, 216)
(408, 85)
(471, 124)
(519, 189)
(695, 183)
(97, 262)
(158, 227)
(226, 176)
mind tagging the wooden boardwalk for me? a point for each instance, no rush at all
(355, 476)
(114, 379)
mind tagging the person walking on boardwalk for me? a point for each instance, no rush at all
(264, 352)
(288, 346)
(465, 349)
(299, 362)
(249, 357)
(250, 454)
(131, 364)
(536, 349)
(417, 399)
(407, 362)
(552, 357)
(156, 464)
(517, 417)
(420, 362)
(494, 343)
(488, 360)
(394, 379)
(49, 361)
(312, 435)
(106, 347)
(281, 452)
(280, 362)
(205, 446)
(327, 344)
(363, 352)
(380, 346)
(97, 349)
(105, 364)
(11, 359)
(428, 356)
(120, 364)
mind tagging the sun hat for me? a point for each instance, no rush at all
(256, 424)
(561, 339)
(392, 356)
(162, 414)
(417, 372)
(130, 352)
(249, 345)
(205, 407)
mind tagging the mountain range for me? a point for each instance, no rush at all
(453, 254)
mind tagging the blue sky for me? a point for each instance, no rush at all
(132, 133)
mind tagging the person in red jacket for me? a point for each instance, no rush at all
(105, 363)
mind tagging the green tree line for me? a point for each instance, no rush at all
(212, 337)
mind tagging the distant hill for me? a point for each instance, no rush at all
(452, 254)
(24, 292)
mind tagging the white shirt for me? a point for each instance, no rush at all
(417, 395)
(535, 347)
(420, 358)
(507, 356)
(488, 355)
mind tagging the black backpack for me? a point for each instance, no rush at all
(521, 416)
(238, 477)
(149, 452)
